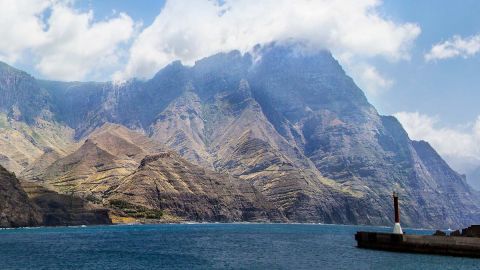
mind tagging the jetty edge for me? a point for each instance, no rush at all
(464, 243)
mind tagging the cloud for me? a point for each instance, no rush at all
(189, 30)
(369, 78)
(64, 43)
(76, 46)
(460, 148)
(21, 27)
(455, 47)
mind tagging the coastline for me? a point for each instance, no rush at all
(367, 227)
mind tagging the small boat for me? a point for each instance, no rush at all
(464, 243)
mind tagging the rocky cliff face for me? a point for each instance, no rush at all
(27, 204)
(22, 97)
(28, 128)
(167, 182)
(64, 209)
(288, 122)
(16, 210)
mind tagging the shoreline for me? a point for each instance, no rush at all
(213, 223)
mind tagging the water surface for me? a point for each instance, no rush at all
(206, 246)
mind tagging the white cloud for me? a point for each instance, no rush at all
(454, 47)
(369, 78)
(68, 44)
(21, 27)
(76, 46)
(189, 30)
(460, 148)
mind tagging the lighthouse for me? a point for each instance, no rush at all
(397, 229)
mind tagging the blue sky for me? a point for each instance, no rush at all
(382, 45)
(449, 88)
(140, 10)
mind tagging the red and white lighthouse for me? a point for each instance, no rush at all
(397, 229)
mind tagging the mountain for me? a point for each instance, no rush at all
(286, 121)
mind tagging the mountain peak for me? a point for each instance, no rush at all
(172, 68)
(298, 54)
(5, 66)
(220, 58)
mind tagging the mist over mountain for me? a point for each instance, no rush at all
(280, 128)
(474, 178)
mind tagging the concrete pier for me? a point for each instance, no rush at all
(440, 245)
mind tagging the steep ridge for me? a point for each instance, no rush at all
(34, 170)
(167, 182)
(22, 97)
(107, 155)
(27, 125)
(303, 194)
(447, 181)
(86, 106)
(23, 144)
(181, 126)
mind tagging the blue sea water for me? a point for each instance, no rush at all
(206, 246)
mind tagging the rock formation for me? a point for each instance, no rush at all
(16, 210)
(27, 204)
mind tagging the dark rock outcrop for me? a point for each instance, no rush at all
(28, 204)
(472, 231)
(64, 209)
(16, 210)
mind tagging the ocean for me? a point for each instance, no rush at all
(207, 246)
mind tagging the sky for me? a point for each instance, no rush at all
(417, 60)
